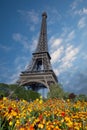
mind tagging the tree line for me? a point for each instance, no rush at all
(14, 91)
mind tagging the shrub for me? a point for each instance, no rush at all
(82, 97)
(56, 91)
(15, 91)
(21, 93)
(4, 89)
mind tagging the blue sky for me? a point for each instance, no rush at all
(20, 23)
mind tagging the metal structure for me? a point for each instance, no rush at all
(39, 73)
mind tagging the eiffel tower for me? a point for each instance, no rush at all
(39, 74)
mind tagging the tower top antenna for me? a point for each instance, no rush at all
(44, 14)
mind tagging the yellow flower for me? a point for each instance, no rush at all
(62, 120)
(70, 124)
(10, 123)
(37, 99)
(57, 127)
(76, 128)
(4, 98)
(41, 101)
(44, 121)
(67, 119)
(68, 100)
(17, 122)
(45, 115)
(40, 97)
(14, 113)
(40, 126)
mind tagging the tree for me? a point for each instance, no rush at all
(72, 96)
(4, 89)
(15, 91)
(82, 97)
(20, 92)
(56, 91)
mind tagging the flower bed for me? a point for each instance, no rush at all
(53, 114)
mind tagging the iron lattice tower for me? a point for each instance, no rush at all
(39, 70)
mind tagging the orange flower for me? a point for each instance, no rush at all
(63, 114)
(40, 116)
(9, 109)
(31, 127)
(16, 110)
(22, 128)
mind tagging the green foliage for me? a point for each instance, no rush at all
(56, 91)
(4, 89)
(15, 91)
(3, 124)
(22, 93)
(82, 97)
(66, 95)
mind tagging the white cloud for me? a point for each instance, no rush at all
(57, 54)
(84, 10)
(68, 58)
(16, 37)
(56, 70)
(4, 47)
(77, 12)
(16, 75)
(64, 58)
(55, 42)
(70, 54)
(32, 28)
(54, 15)
(84, 56)
(70, 36)
(74, 5)
(63, 53)
(29, 16)
(21, 39)
(28, 45)
(56, 48)
(80, 12)
(13, 78)
(20, 65)
(82, 22)
(76, 9)
(34, 43)
(20, 60)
